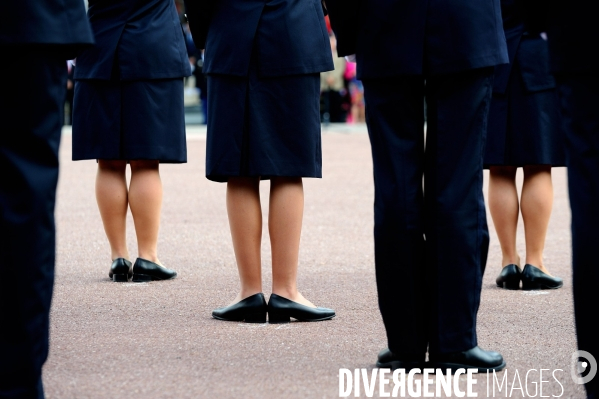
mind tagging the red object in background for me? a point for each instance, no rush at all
(329, 29)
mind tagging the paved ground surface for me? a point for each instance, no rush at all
(158, 340)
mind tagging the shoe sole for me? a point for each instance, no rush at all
(287, 319)
(509, 286)
(120, 278)
(536, 287)
(456, 366)
(248, 319)
(146, 278)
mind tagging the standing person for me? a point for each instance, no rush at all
(264, 123)
(431, 247)
(129, 110)
(36, 39)
(573, 36)
(524, 131)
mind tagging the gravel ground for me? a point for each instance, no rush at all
(158, 340)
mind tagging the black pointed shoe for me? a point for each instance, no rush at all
(120, 270)
(475, 358)
(281, 309)
(534, 279)
(390, 360)
(251, 310)
(144, 271)
(509, 278)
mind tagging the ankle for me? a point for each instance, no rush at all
(510, 260)
(249, 291)
(538, 264)
(151, 256)
(286, 292)
(117, 255)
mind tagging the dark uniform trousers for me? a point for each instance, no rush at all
(579, 95)
(36, 39)
(431, 247)
(573, 37)
(32, 112)
(430, 244)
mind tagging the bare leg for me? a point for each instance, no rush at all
(245, 221)
(286, 210)
(503, 204)
(536, 204)
(145, 200)
(112, 198)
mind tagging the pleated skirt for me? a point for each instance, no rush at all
(524, 128)
(263, 126)
(129, 120)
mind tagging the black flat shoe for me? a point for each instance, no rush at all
(144, 270)
(474, 358)
(390, 360)
(251, 310)
(509, 278)
(280, 310)
(534, 279)
(120, 270)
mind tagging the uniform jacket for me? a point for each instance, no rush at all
(287, 37)
(143, 38)
(60, 25)
(526, 46)
(415, 37)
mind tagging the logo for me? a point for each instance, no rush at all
(584, 367)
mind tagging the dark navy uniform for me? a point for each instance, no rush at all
(262, 59)
(573, 38)
(129, 87)
(431, 247)
(36, 38)
(524, 123)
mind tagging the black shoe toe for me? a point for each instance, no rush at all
(144, 271)
(473, 358)
(389, 360)
(534, 279)
(251, 310)
(280, 310)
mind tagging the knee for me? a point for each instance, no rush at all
(112, 165)
(533, 170)
(144, 165)
(503, 172)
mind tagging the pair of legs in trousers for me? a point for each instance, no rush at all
(430, 247)
(579, 95)
(32, 111)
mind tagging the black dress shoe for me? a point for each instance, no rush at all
(390, 360)
(120, 270)
(144, 270)
(251, 310)
(280, 310)
(534, 279)
(474, 358)
(509, 278)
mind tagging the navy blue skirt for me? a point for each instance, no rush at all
(129, 120)
(524, 127)
(263, 127)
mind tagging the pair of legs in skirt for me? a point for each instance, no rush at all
(535, 204)
(285, 214)
(143, 196)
